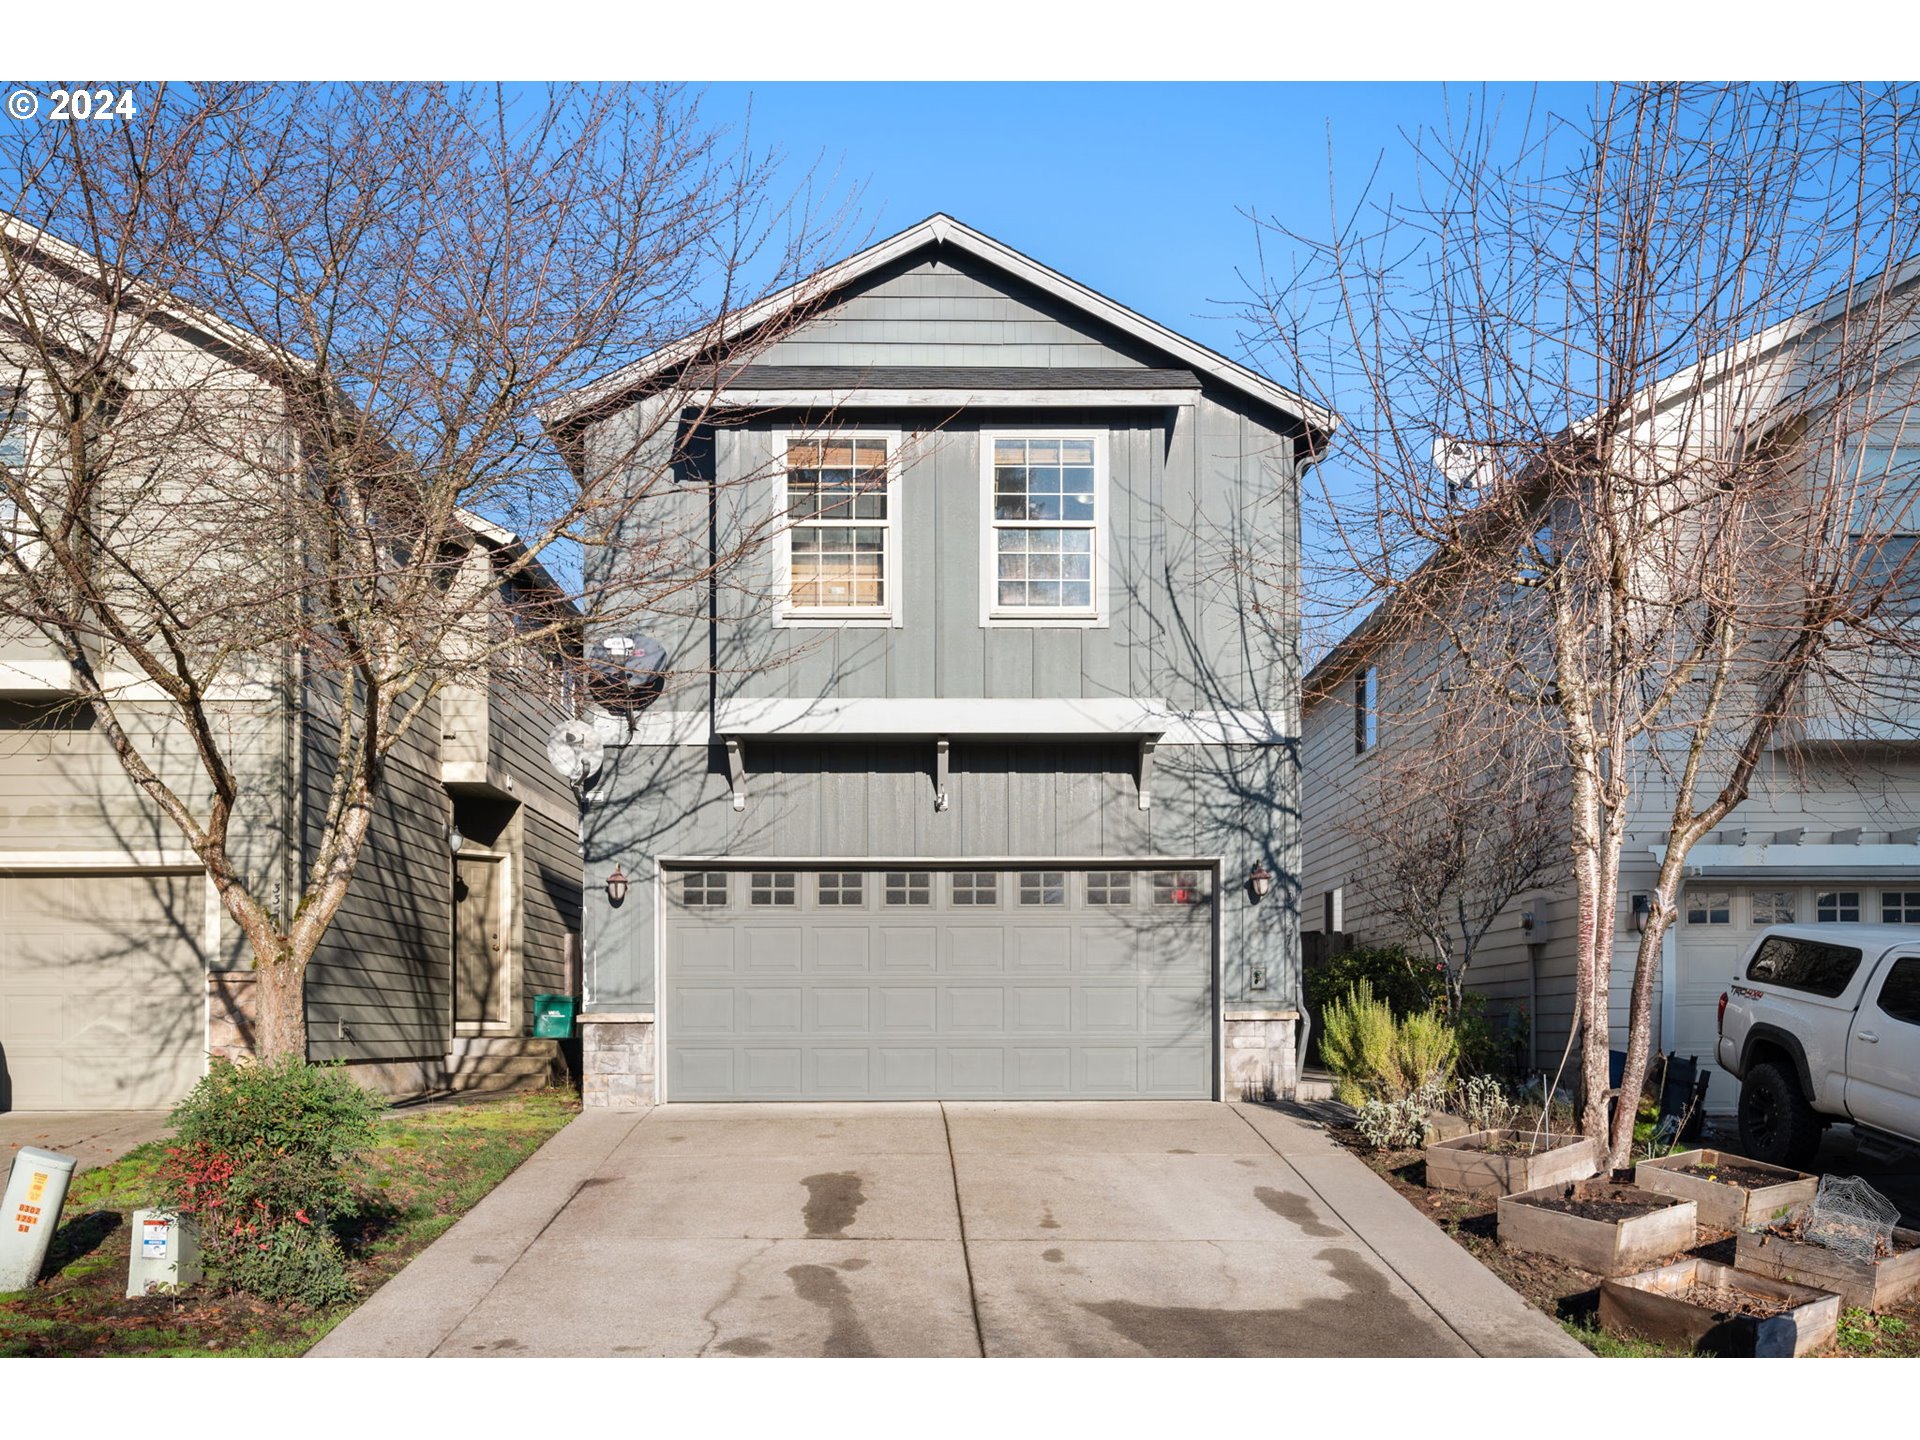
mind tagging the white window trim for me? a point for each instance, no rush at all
(787, 615)
(994, 618)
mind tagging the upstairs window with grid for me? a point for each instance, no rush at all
(13, 456)
(1045, 525)
(840, 526)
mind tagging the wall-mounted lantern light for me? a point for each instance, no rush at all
(1527, 923)
(1642, 908)
(454, 839)
(1260, 881)
(616, 886)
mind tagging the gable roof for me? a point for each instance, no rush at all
(944, 230)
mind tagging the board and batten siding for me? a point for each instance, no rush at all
(949, 310)
(547, 848)
(383, 969)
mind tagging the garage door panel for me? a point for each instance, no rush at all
(842, 1072)
(974, 947)
(774, 1011)
(777, 1072)
(773, 949)
(908, 948)
(908, 1071)
(842, 1008)
(1047, 1009)
(102, 989)
(1111, 1007)
(701, 1010)
(909, 1010)
(1115, 1069)
(843, 948)
(1042, 1069)
(976, 1070)
(915, 992)
(1037, 948)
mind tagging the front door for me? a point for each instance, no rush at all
(480, 998)
(1883, 1051)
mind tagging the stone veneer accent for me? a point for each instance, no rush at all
(616, 1060)
(618, 1057)
(1261, 1045)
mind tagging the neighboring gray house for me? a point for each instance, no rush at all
(978, 779)
(119, 971)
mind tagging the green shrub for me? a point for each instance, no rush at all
(1407, 983)
(264, 1164)
(1356, 1042)
(1375, 1056)
(1426, 1048)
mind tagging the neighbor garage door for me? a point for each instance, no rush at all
(1057, 983)
(102, 990)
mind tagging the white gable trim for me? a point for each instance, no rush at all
(945, 230)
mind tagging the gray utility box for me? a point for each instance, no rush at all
(165, 1253)
(36, 1189)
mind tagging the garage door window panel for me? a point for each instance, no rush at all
(976, 887)
(1900, 907)
(772, 888)
(1110, 887)
(704, 889)
(1837, 907)
(1709, 907)
(1773, 907)
(1043, 887)
(841, 888)
(909, 887)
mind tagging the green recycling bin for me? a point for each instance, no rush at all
(553, 1017)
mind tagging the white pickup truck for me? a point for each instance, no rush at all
(1822, 1024)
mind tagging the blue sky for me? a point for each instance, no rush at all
(1137, 190)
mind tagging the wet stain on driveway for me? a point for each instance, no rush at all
(832, 1202)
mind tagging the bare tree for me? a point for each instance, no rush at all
(1626, 394)
(1456, 826)
(282, 354)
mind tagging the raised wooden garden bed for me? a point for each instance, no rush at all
(1596, 1225)
(1506, 1162)
(1719, 1310)
(1731, 1190)
(1872, 1285)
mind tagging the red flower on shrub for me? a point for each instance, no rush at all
(301, 1216)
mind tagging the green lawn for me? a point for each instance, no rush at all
(431, 1166)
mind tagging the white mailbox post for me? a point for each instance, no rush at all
(36, 1189)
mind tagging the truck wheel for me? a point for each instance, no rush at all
(1777, 1125)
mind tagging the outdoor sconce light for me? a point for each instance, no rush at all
(1526, 922)
(454, 839)
(616, 886)
(1260, 881)
(1642, 908)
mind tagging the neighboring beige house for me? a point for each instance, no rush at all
(119, 971)
(1830, 834)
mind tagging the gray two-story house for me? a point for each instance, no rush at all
(975, 776)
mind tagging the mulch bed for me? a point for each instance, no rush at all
(1723, 1300)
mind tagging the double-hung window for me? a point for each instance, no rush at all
(1045, 525)
(838, 555)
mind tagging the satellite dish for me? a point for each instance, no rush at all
(627, 674)
(575, 750)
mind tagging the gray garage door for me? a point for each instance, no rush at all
(938, 984)
(103, 995)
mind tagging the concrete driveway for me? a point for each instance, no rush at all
(957, 1229)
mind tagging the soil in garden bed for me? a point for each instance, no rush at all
(1600, 1200)
(1747, 1177)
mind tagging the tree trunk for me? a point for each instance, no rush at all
(280, 1028)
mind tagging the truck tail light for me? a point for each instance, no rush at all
(1720, 1015)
